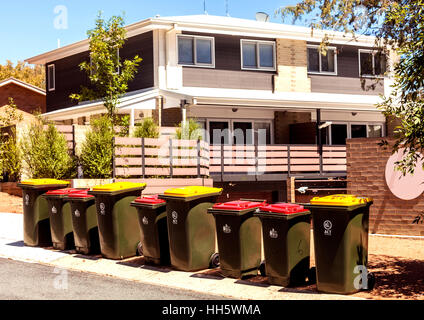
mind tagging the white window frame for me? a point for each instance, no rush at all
(349, 129)
(49, 80)
(195, 63)
(373, 52)
(313, 46)
(258, 58)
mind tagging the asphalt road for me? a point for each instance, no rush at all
(28, 281)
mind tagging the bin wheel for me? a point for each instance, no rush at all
(214, 261)
(312, 275)
(262, 268)
(139, 249)
(371, 281)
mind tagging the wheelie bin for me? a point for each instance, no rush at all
(239, 237)
(61, 218)
(340, 224)
(154, 245)
(36, 214)
(84, 222)
(119, 232)
(286, 230)
(191, 230)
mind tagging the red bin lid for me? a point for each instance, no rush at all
(150, 200)
(284, 208)
(238, 205)
(67, 191)
(81, 194)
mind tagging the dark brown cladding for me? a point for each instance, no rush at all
(348, 79)
(227, 72)
(69, 77)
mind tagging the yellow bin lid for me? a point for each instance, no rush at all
(186, 192)
(344, 200)
(119, 186)
(44, 182)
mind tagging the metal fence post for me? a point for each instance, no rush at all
(143, 158)
(288, 161)
(198, 158)
(222, 162)
(113, 159)
(171, 169)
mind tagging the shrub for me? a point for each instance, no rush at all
(190, 131)
(45, 153)
(10, 157)
(97, 150)
(147, 129)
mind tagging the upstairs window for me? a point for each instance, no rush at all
(196, 51)
(258, 55)
(320, 63)
(371, 63)
(51, 77)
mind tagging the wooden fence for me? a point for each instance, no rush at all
(136, 157)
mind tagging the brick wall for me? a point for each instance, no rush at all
(26, 100)
(366, 164)
(292, 67)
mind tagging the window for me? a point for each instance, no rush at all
(375, 130)
(242, 133)
(219, 132)
(51, 77)
(258, 55)
(262, 133)
(358, 130)
(196, 51)
(320, 63)
(371, 63)
(339, 132)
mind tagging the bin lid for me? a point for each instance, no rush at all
(149, 200)
(118, 186)
(283, 208)
(345, 200)
(192, 191)
(44, 182)
(238, 205)
(67, 192)
(82, 194)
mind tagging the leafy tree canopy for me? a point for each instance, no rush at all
(34, 75)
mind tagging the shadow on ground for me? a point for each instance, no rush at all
(139, 262)
(395, 278)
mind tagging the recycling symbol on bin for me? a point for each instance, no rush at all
(102, 209)
(27, 200)
(54, 210)
(77, 213)
(273, 233)
(145, 220)
(327, 226)
(226, 228)
(174, 217)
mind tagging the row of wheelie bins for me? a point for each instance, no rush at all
(186, 228)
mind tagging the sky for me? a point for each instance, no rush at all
(32, 27)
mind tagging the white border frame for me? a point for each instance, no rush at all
(258, 59)
(49, 80)
(314, 46)
(196, 65)
(373, 52)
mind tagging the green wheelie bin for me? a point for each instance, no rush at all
(119, 232)
(340, 224)
(191, 230)
(286, 230)
(36, 214)
(84, 222)
(61, 218)
(239, 237)
(152, 218)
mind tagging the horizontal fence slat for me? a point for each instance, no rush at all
(119, 141)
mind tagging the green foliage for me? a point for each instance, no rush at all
(11, 115)
(147, 129)
(45, 153)
(123, 123)
(190, 131)
(34, 75)
(97, 150)
(109, 76)
(397, 25)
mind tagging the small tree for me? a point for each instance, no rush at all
(97, 150)
(190, 131)
(147, 129)
(46, 154)
(108, 76)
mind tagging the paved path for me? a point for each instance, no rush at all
(24, 281)
(207, 282)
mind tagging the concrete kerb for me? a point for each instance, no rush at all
(133, 269)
